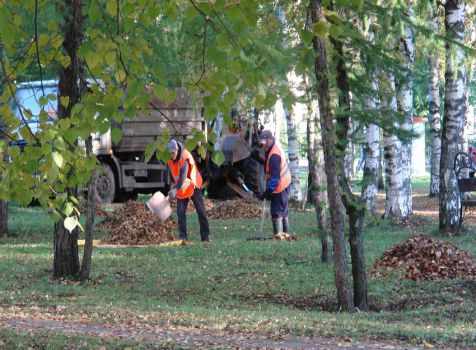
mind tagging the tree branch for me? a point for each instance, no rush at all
(37, 48)
(204, 68)
(12, 92)
(163, 115)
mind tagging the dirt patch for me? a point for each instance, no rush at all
(191, 338)
(134, 224)
(426, 258)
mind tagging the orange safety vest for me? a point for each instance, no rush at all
(193, 180)
(285, 174)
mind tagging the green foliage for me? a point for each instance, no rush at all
(128, 45)
(228, 53)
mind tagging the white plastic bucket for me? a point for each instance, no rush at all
(159, 205)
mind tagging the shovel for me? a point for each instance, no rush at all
(160, 206)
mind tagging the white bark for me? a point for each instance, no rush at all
(455, 108)
(468, 123)
(434, 119)
(372, 157)
(434, 113)
(218, 130)
(349, 155)
(293, 155)
(405, 104)
(395, 202)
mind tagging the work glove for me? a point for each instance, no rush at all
(172, 193)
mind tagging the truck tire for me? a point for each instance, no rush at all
(254, 174)
(106, 185)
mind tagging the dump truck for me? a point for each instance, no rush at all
(126, 174)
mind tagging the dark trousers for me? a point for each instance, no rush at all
(197, 200)
(279, 204)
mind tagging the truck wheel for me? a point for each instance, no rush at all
(255, 176)
(106, 185)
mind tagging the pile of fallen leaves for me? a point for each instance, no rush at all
(234, 209)
(426, 258)
(284, 236)
(227, 209)
(134, 224)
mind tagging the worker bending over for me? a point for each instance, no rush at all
(278, 179)
(187, 183)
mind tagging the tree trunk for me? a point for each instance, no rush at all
(380, 177)
(405, 103)
(3, 208)
(349, 156)
(328, 140)
(453, 122)
(3, 218)
(355, 210)
(468, 124)
(88, 231)
(434, 114)
(317, 183)
(293, 152)
(395, 201)
(372, 157)
(3, 204)
(66, 259)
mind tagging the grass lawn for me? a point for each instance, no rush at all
(270, 287)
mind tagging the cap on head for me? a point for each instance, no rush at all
(172, 146)
(265, 134)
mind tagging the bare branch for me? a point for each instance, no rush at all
(204, 68)
(37, 48)
(163, 115)
(6, 134)
(12, 91)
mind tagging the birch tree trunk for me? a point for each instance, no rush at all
(434, 110)
(405, 104)
(453, 122)
(349, 156)
(344, 297)
(293, 146)
(395, 201)
(434, 118)
(66, 259)
(372, 157)
(468, 123)
(293, 155)
(317, 183)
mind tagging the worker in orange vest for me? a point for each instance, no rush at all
(278, 180)
(187, 183)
